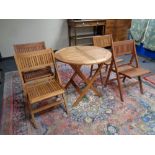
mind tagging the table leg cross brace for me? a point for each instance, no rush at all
(88, 81)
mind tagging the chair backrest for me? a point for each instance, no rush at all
(121, 48)
(124, 47)
(103, 40)
(35, 60)
(29, 47)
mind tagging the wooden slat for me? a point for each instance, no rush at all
(102, 41)
(40, 73)
(47, 106)
(135, 72)
(29, 47)
(128, 70)
(121, 48)
(39, 80)
(29, 62)
(41, 90)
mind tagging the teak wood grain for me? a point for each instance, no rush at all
(43, 88)
(27, 48)
(83, 55)
(77, 56)
(103, 41)
(127, 70)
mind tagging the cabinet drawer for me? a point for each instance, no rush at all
(87, 23)
(118, 23)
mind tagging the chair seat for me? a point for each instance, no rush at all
(41, 90)
(134, 72)
(33, 75)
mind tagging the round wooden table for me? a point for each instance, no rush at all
(76, 56)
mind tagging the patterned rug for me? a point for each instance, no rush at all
(150, 78)
(94, 115)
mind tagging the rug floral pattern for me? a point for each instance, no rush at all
(94, 115)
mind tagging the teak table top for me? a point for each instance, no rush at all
(83, 55)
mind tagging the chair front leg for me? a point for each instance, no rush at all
(32, 119)
(140, 85)
(65, 103)
(119, 86)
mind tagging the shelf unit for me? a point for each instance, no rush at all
(119, 28)
(74, 25)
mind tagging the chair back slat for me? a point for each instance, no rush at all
(34, 60)
(121, 48)
(29, 47)
(103, 40)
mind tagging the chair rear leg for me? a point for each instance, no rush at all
(140, 85)
(65, 103)
(27, 111)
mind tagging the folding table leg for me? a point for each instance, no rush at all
(32, 119)
(82, 76)
(70, 81)
(88, 82)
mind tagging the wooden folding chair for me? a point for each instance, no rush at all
(42, 88)
(27, 48)
(104, 41)
(129, 69)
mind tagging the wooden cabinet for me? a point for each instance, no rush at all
(117, 27)
(75, 25)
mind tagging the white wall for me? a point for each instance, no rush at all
(15, 31)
